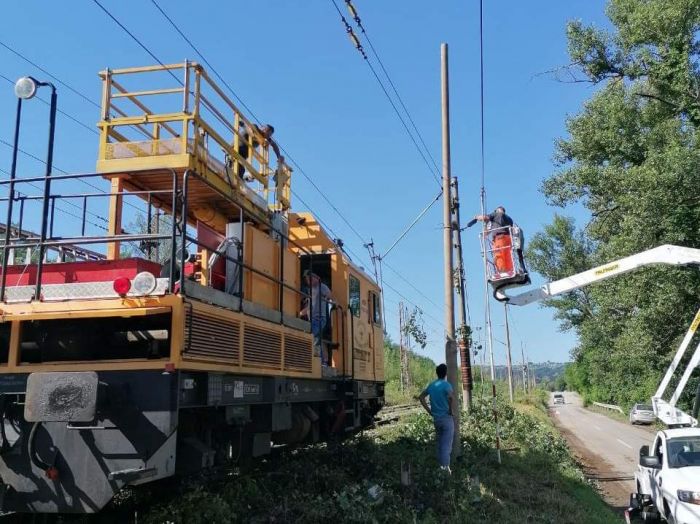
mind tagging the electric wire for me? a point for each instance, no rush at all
(358, 21)
(133, 37)
(34, 64)
(410, 226)
(411, 285)
(358, 46)
(67, 115)
(203, 58)
(252, 113)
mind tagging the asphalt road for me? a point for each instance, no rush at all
(608, 448)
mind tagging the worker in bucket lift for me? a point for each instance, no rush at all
(501, 225)
(317, 311)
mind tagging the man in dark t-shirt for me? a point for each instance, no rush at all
(498, 223)
(497, 220)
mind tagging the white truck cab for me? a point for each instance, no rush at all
(668, 477)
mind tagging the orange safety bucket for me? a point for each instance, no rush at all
(502, 253)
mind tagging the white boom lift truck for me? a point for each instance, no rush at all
(668, 474)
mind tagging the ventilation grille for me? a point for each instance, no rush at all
(212, 337)
(297, 353)
(261, 347)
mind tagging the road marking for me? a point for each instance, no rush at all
(624, 443)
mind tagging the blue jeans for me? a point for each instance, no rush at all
(444, 432)
(317, 326)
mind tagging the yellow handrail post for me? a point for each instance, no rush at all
(114, 227)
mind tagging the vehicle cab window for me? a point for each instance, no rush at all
(354, 296)
(659, 449)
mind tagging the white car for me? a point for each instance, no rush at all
(668, 476)
(558, 398)
(642, 414)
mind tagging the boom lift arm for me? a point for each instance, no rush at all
(666, 254)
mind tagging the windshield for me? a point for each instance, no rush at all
(683, 451)
(558, 395)
(644, 407)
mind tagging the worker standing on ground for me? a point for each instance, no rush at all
(441, 396)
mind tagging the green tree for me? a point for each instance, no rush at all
(632, 159)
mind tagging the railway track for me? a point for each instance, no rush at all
(391, 414)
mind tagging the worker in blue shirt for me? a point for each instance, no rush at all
(440, 393)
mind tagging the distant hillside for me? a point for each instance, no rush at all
(549, 374)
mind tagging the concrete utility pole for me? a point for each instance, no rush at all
(509, 364)
(450, 346)
(463, 337)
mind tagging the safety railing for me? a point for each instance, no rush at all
(14, 243)
(502, 245)
(193, 119)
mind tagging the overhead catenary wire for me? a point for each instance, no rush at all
(134, 38)
(361, 26)
(487, 303)
(255, 117)
(67, 115)
(432, 169)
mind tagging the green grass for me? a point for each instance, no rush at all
(536, 482)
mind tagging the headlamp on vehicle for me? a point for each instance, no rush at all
(690, 497)
(144, 283)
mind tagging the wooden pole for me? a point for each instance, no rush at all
(464, 337)
(450, 346)
(509, 365)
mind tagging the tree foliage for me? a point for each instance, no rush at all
(632, 159)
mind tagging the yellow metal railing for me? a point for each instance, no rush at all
(193, 120)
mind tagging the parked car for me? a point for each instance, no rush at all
(642, 414)
(559, 398)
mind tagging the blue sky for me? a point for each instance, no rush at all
(293, 65)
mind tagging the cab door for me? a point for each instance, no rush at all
(359, 328)
(655, 477)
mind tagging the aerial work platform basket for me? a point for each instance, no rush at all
(505, 266)
(191, 125)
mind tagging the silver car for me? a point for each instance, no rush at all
(642, 414)
(558, 398)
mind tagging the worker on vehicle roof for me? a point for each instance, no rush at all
(244, 135)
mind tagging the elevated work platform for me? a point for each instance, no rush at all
(151, 135)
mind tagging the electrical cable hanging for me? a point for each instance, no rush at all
(487, 301)
(360, 25)
(358, 45)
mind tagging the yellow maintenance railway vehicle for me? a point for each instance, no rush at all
(240, 325)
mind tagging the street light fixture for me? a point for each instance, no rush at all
(25, 89)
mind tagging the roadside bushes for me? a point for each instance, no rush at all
(359, 480)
